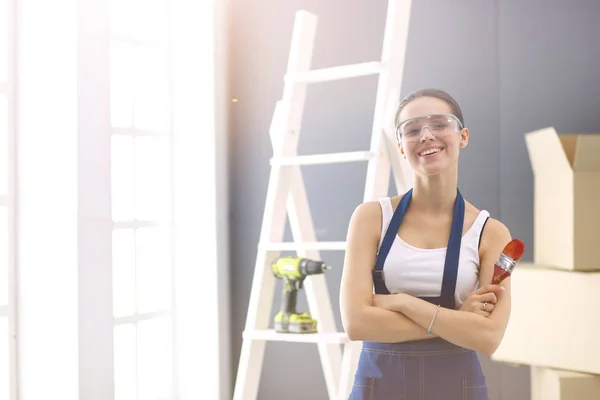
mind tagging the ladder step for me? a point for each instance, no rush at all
(273, 336)
(336, 73)
(292, 246)
(329, 158)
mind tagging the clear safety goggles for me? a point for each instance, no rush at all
(439, 125)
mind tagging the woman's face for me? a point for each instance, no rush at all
(431, 143)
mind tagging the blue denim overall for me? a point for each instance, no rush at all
(429, 369)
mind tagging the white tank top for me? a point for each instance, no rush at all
(419, 272)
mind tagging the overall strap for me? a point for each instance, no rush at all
(386, 245)
(453, 249)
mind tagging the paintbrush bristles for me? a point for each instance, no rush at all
(514, 249)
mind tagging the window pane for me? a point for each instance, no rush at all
(121, 85)
(123, 272)
(139, 19)
(154, 359)
(122, 177)
(152, 173)
(3, 41)
(3, 256)
(151, 106)
(125, 362)
(3, 145)
(4, 359)
(153, 252)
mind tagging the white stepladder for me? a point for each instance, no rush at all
(286, 196)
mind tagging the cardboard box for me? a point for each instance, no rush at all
(553, 384)
(555, 320)
(566, 169)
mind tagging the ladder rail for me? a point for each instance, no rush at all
(274, 216)
(394, 49)
(317, 293)
(393, 55)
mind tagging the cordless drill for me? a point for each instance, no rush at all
(293, 270)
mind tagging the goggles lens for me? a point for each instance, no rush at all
(439, 125)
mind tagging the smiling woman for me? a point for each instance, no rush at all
(427, 319)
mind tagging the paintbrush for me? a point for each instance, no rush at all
(508, 260)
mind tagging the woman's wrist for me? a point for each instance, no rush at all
(400, 302)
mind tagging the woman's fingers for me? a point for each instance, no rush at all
(489, 297)
(487, 307)
(489, 288)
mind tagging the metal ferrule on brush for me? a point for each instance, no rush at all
(506, 263)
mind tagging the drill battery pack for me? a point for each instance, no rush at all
(295, 323)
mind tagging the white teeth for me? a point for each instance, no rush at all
(430, 151)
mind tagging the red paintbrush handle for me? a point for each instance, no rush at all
(499, 274)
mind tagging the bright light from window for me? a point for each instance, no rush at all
(123, 250)
(4, 229)
(152, 177)
(125, 362)
(4, 357)
(201, 263)
(3, 259)
(5, 307)
(151, 101)
(155, 354)
(163, 147)
(153, 269)
(121, 84)
(3, 145)
(3, 41)
(141, 200)
(122, 180)
(143, 20)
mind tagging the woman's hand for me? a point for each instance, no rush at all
(482, 301)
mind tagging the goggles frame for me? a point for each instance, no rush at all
(459, 124)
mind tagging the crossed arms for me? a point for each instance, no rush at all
(401, 317)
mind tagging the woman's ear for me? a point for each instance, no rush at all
(401, 149)
(464, 137)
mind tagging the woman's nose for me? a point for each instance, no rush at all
(426, 134)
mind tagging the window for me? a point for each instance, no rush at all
(141, 159)
(152, 145)
(7, 284)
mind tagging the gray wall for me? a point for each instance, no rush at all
(514, 66)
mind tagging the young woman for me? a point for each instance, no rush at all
(425, 253)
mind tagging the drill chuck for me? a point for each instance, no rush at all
(312, 267)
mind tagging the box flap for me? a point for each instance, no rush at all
(546, 151)
(587, 153)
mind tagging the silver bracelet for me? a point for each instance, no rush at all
(433, 319)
